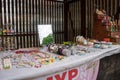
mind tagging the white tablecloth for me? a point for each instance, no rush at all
(67, 63)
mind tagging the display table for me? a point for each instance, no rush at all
(61, 70)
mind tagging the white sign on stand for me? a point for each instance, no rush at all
(43, 31)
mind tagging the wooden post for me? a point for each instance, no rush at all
(66, 20)
(0, 13)
(83, 18)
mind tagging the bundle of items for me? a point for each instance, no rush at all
(35, 57)
(93, 43)
(81, 47)
(27, 58)
(102, 45)
(106, 20)
(39, 57)
(60, 49)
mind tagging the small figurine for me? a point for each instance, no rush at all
(81, 40)
(53, 48)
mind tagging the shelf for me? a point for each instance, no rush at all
(100, 31)
(20, 34)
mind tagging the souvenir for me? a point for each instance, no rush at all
(66, 52)
(53, 48)
(81, 40)
(7, 63)
(97, 45)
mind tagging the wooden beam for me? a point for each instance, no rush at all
(55, 1)
(83, 18)
(72, 1)
(0, 13)
(66, 20)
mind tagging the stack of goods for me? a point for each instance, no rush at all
(60, 49)
(93, 43)
(7, 42)
(36, 58)
(82, 46)
(107, 21)
(102, 45)
(68, 49)
(27, 58)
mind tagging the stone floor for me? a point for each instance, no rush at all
(109, 68)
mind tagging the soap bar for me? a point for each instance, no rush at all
(7, 63)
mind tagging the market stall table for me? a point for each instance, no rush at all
(66, 68)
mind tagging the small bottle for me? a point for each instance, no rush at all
(111, 26)
(116, 27)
